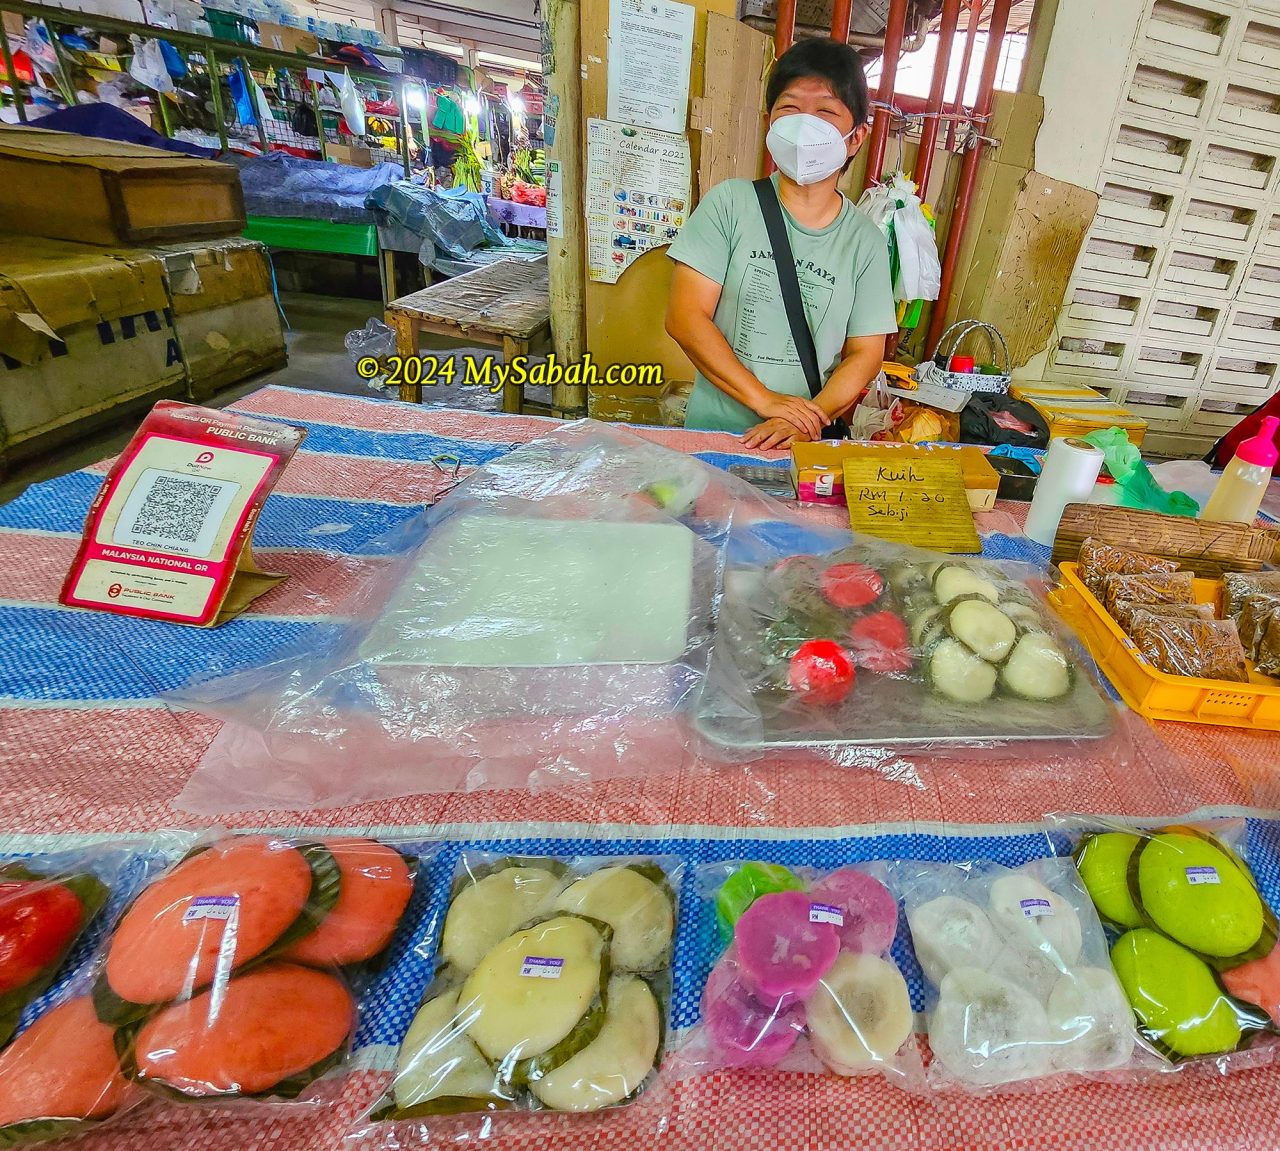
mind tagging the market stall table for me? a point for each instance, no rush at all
(88, 748)
(504, 304)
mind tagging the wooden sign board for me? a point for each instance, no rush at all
(919, 501)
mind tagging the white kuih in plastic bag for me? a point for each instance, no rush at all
(548, 621)
(1020, 986)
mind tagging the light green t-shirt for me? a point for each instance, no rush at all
(843, 271)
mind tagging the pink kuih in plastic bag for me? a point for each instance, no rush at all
(806, 982)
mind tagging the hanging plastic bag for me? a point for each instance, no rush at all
(919, 269)
(39, 47)
(1134, 479)
(246, 112)
(899, 213)
(260, 101)
(352, 104)
(148, 67)
(173, 61)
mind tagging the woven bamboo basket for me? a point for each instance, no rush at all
(1205, 547)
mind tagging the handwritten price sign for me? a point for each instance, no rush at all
(920, 501)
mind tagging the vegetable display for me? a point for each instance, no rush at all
(806, 968)
(1194, 939)
(552, 991)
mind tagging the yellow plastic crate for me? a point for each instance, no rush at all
(1156, 694)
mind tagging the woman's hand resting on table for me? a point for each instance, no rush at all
(799, 411)
(775, 434)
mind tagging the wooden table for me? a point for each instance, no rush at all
(506, 304)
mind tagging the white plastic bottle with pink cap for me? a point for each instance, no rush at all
(1244, 480)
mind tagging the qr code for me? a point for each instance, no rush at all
(175, 509)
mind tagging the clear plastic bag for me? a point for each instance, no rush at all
(61, 1074)
(804, 980)
(548, 621)
(877, 645)
(235, 975)
(1098, 560)
(1204, 648)
(352, 101)
(375, 339)
(552, 995)
(1019, 983)
(148, 66)
(1193, 941)
(919, 268)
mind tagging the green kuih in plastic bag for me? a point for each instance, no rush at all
(1137, 485)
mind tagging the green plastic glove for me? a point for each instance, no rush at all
(1138, 487)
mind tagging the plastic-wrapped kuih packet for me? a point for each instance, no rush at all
(805, 978)
(558, 617)
(876, 645)
(550, 993)
(1019, 984)
(1192, 939)
(235, 977)
(547, 621)
(59, 1070)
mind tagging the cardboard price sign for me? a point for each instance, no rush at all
(919, 501)
(169, 533)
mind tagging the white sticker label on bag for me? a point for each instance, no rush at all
(824, 485)
(1203, 875)
(211, 907)
(536, 967)
(825, 913)
(1035, 908)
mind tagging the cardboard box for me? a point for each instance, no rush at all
(282, 38)
(224, 311)
(1074, 410)
(85, 337)
(817, 470)
(62, 186)
(356, 155)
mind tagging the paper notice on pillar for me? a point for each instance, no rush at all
(169, 534)
(638, 187)
(555, 201)
(650, 51)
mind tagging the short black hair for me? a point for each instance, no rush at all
(822, 58)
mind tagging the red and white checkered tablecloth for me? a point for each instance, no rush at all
(83, 754)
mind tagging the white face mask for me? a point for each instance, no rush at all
(807, 148)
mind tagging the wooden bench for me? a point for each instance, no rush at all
(506, 305)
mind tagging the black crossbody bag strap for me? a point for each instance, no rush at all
(785, 263)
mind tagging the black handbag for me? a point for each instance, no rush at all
(979, 422)
(784, 261)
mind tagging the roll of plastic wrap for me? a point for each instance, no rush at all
(1071, 468)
